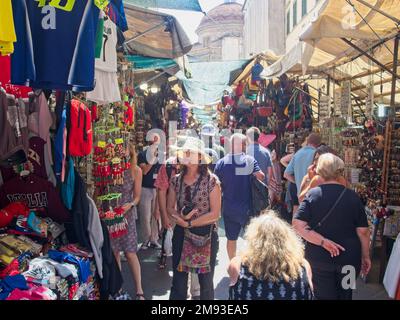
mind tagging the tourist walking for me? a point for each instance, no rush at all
(273, 266)
(235, 171)
(148, 162)
(333, 221)
(131, 193)
(194, 203)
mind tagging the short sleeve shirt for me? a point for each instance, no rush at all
(201, 199)
(234, 172)
(340, 227)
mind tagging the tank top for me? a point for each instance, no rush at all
(248, 287)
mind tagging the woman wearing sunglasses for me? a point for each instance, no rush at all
(194, 203)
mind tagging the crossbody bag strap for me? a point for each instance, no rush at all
(192, 195)
(319, 224)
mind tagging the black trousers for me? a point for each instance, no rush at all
(180, 279)
(327, 281)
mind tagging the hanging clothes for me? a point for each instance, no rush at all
(7, 31)
(5, 79)
(55, 47)
(40, 121)
(107, 88)
(14, 138)
(392, 274)
(37, 193)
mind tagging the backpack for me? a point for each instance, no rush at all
(80, 133)
(259, 196)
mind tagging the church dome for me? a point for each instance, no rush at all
(226, 13)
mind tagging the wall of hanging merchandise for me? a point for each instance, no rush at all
(110, 161)
(393, 197)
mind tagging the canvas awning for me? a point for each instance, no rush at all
(191, 5)
(154, 34)
(336, 41)
(337, 19)
(209, 80)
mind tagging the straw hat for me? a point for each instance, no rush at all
(194, 145)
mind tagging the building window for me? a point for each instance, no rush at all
(288, 22)
(295, 14)
(304, 8)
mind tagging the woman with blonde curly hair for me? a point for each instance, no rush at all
(273, 266)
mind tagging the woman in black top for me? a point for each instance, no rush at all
(332, 220)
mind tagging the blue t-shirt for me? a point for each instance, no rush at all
(234, 172)
(56, 44)
(262, 156)
(299, 164)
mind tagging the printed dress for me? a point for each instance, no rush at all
(248, 287)
(128, 242)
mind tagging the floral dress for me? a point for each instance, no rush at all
(128, 242)
(188, 257)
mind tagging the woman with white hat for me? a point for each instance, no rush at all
(194, 202)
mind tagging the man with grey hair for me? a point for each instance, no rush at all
(235, 171)
(261, 154)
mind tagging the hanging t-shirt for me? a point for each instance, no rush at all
(13, 135)
(108, 56)
(35, 164)
(55, 47)
(5, 79)
(40, 121)
(7, 32)
(37, 193)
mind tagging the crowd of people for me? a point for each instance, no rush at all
(302, 257)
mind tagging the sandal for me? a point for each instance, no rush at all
(140, 296)
(163, 261)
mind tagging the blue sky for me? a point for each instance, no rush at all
(190, 20)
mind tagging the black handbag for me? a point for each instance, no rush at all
(259, 196)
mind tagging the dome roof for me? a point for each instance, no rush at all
(226, 12)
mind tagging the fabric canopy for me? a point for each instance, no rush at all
(371, 26)
(209, 80)
(149, 64)
(337, 20)
(191, 5)
(154, 34)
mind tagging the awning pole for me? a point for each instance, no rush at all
(351, 44)
(379, 10)
(395, 63)
(144, 33)
(154, 78)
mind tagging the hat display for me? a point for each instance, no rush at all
(194, 145)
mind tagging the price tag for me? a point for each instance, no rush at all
(101, 144)
(116, 161)
(119, 141)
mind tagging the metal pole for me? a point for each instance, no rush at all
(379, 10)
(351, 44)
(395, 63)
(144, 33)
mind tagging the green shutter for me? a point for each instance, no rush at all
(295, 14)
(288, 22)
(304, 8)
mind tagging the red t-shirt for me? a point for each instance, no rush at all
(5, 79)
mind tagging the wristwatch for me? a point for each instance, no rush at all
(189, 224)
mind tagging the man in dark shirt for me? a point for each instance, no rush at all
(234, 172)
(148, 162)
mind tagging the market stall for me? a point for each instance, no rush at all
(66, 123)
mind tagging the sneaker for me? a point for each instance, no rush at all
(123, 257)
(145, 246)
(155, 245)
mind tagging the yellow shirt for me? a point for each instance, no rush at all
(7, 30)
